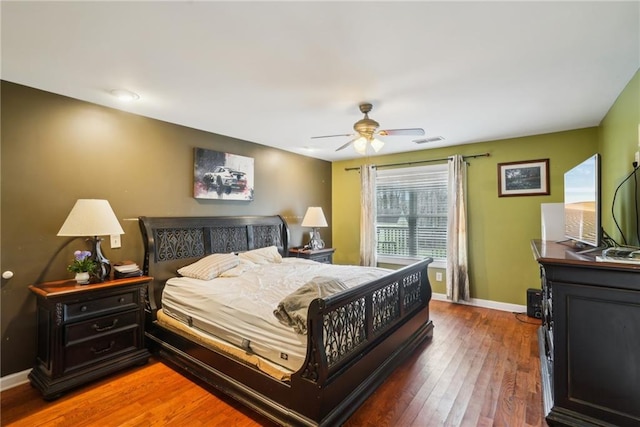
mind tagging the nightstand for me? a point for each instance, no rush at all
(87, 331)
(320, 255)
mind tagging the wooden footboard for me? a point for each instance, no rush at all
(359, 336)
(355, 338)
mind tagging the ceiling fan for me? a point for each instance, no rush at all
(366, 130)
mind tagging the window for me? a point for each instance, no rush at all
(411, 220)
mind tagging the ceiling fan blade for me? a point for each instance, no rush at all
(430, 139)
(342, 147)
(331, 136)
(401, 132)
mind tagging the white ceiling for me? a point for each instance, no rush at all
(277, 73)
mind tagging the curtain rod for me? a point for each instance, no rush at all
(472, 156)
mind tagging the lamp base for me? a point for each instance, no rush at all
(104, 266)
(316, 242)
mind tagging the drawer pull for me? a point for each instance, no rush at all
(104, 328)
(103, 350)
(121, 300)
(83, 308)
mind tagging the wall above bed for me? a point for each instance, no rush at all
(56, 150)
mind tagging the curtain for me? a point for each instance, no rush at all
(457, 260)
(368, 238)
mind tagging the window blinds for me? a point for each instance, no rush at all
(411, 221)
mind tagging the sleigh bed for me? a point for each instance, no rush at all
(354, 338)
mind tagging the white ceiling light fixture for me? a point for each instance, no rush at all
(360, 145)
(125, 95)
(376, 144)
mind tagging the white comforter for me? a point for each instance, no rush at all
(240, 309)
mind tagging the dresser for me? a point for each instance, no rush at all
(589, 341)
(320, 255)
(87, 331)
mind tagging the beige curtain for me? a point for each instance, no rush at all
(368, 238)
(457, 259)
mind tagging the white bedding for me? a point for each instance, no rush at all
(240, 309)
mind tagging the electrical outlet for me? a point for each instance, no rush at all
(115, 241)
(439, 276)
(637, 158)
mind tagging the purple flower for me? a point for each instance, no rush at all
(82, 262)
(81, 255)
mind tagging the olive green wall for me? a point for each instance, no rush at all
(619, 139)
(56, 150)
(501, 262)
(500, 228)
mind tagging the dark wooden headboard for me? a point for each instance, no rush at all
(173, 242)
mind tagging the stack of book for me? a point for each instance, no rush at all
(126, 269)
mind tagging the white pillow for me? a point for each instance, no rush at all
(210, 266)
(239, 269)
(266, 255)
(244, 261)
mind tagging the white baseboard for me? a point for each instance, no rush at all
(495, 305)
(14, 380)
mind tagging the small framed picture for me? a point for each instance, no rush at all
(528, 178)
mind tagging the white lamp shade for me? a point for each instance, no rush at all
(360, 145)
(376, 144)
(314, 217)
(91, 217)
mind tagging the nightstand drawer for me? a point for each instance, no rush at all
(115, 302)
(323, 258)
(107, 346)
(95, 327)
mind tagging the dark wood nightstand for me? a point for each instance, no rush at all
(87, 331)
(320, 255)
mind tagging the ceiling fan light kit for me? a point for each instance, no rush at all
(360, 145)
(367, 128)
(376, 144)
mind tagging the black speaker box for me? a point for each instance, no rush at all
(534, 303)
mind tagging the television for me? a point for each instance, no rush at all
(582, 213)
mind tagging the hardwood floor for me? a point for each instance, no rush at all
(480, 369)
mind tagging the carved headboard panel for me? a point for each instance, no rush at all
(173, 242)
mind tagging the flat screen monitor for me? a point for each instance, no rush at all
(582, 203)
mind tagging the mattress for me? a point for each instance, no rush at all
(274, 370)
(239, 310)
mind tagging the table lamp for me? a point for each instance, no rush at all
(314, 218)
(92, 217)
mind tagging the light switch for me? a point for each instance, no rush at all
(115, 241)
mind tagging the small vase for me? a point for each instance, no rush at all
(82, 278)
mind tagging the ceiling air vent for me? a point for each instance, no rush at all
(426, 140)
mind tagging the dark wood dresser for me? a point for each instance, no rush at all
(589, 340)
(87, 331)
